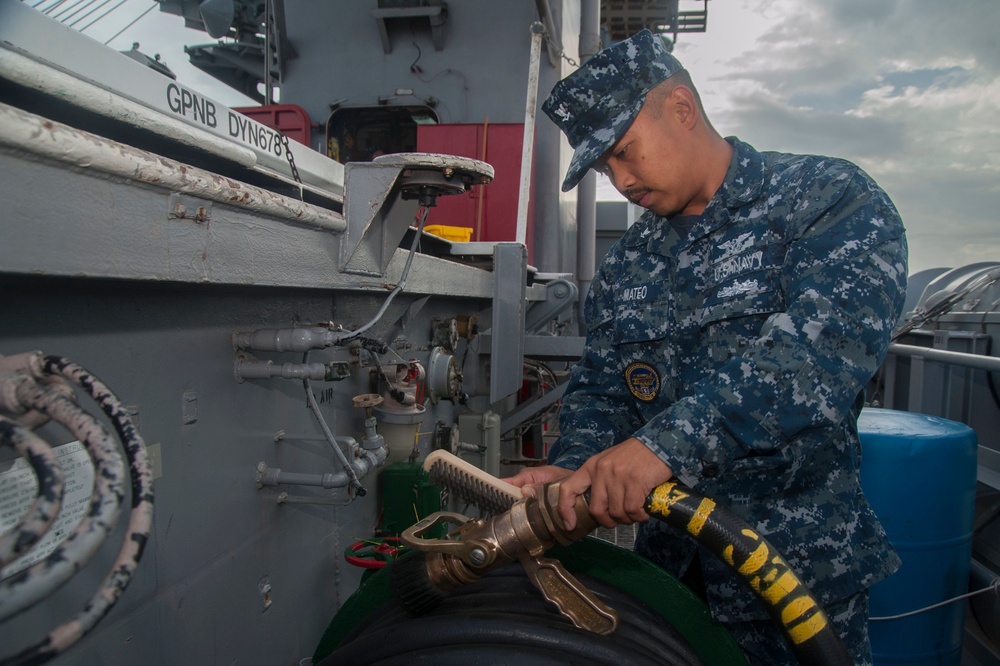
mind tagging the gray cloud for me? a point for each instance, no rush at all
(908, 89)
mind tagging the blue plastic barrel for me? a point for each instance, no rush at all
(919, 474)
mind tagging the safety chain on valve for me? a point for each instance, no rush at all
(521, 534)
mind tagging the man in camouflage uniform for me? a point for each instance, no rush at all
(731, 332)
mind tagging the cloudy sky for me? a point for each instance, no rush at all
(908, 89)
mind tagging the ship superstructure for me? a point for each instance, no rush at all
(294, 304)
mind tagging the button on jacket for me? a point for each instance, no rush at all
(739, 355)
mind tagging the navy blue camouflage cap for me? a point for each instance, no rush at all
(596, 104)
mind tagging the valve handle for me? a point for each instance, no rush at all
(574, 601)
(367, 400)
(373, 553)
(474, 552)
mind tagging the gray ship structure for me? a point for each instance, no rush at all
(231, 338)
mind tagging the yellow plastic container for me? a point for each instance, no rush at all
(453, 234)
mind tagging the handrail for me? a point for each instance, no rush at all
(979, 361)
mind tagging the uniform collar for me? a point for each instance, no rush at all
(745, 178)
(743, 183)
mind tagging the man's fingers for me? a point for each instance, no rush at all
(577, 484)
(535, 476)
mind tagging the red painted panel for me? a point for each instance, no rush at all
(289, 119)
(490, 211)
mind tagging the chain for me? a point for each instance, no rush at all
(562, 53)
(291, 164)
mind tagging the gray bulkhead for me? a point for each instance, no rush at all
(117, 259)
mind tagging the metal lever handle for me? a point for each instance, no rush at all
(473, 551)
(574, 600)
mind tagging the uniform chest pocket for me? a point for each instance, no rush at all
(744, 285)
(743, 299)
(642, 339)
(641, 322)
(731, 322)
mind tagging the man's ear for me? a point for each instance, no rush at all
(682, 105)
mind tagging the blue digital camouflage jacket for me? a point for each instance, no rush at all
(739, 355)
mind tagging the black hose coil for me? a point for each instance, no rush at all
(503, 619)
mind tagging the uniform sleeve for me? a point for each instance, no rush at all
(596, 412)
(844, 282)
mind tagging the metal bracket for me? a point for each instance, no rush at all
(507, 328)
(560, 295)
(183, 207)
(381, 198)
(437, 14)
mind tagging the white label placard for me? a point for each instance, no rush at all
(19, 487)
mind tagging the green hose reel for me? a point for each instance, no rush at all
(634, 575)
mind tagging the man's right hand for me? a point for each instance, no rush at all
(530, 479)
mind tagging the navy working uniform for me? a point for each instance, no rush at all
(737, 349)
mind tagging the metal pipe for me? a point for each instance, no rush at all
(554, 43)
(590, 28)
(273, 476)
(24, 71)
(45, 138)
(586, 202)
(528, 144)
(586, 240)
(254, 369)
(286, 339)
(314, 168)
(268, 91)
(989, 363)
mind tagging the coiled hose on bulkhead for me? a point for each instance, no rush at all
(810, 635)
(503, 619)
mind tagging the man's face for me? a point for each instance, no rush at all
(650, 163)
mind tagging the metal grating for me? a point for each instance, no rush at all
(624, 18)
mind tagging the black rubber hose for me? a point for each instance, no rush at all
(503, 619)
(810, 634)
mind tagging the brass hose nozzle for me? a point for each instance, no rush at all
(521, 534)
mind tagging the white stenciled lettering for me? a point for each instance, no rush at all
(185, 103)
(737, 265)
(634, 293)
(253, 134)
